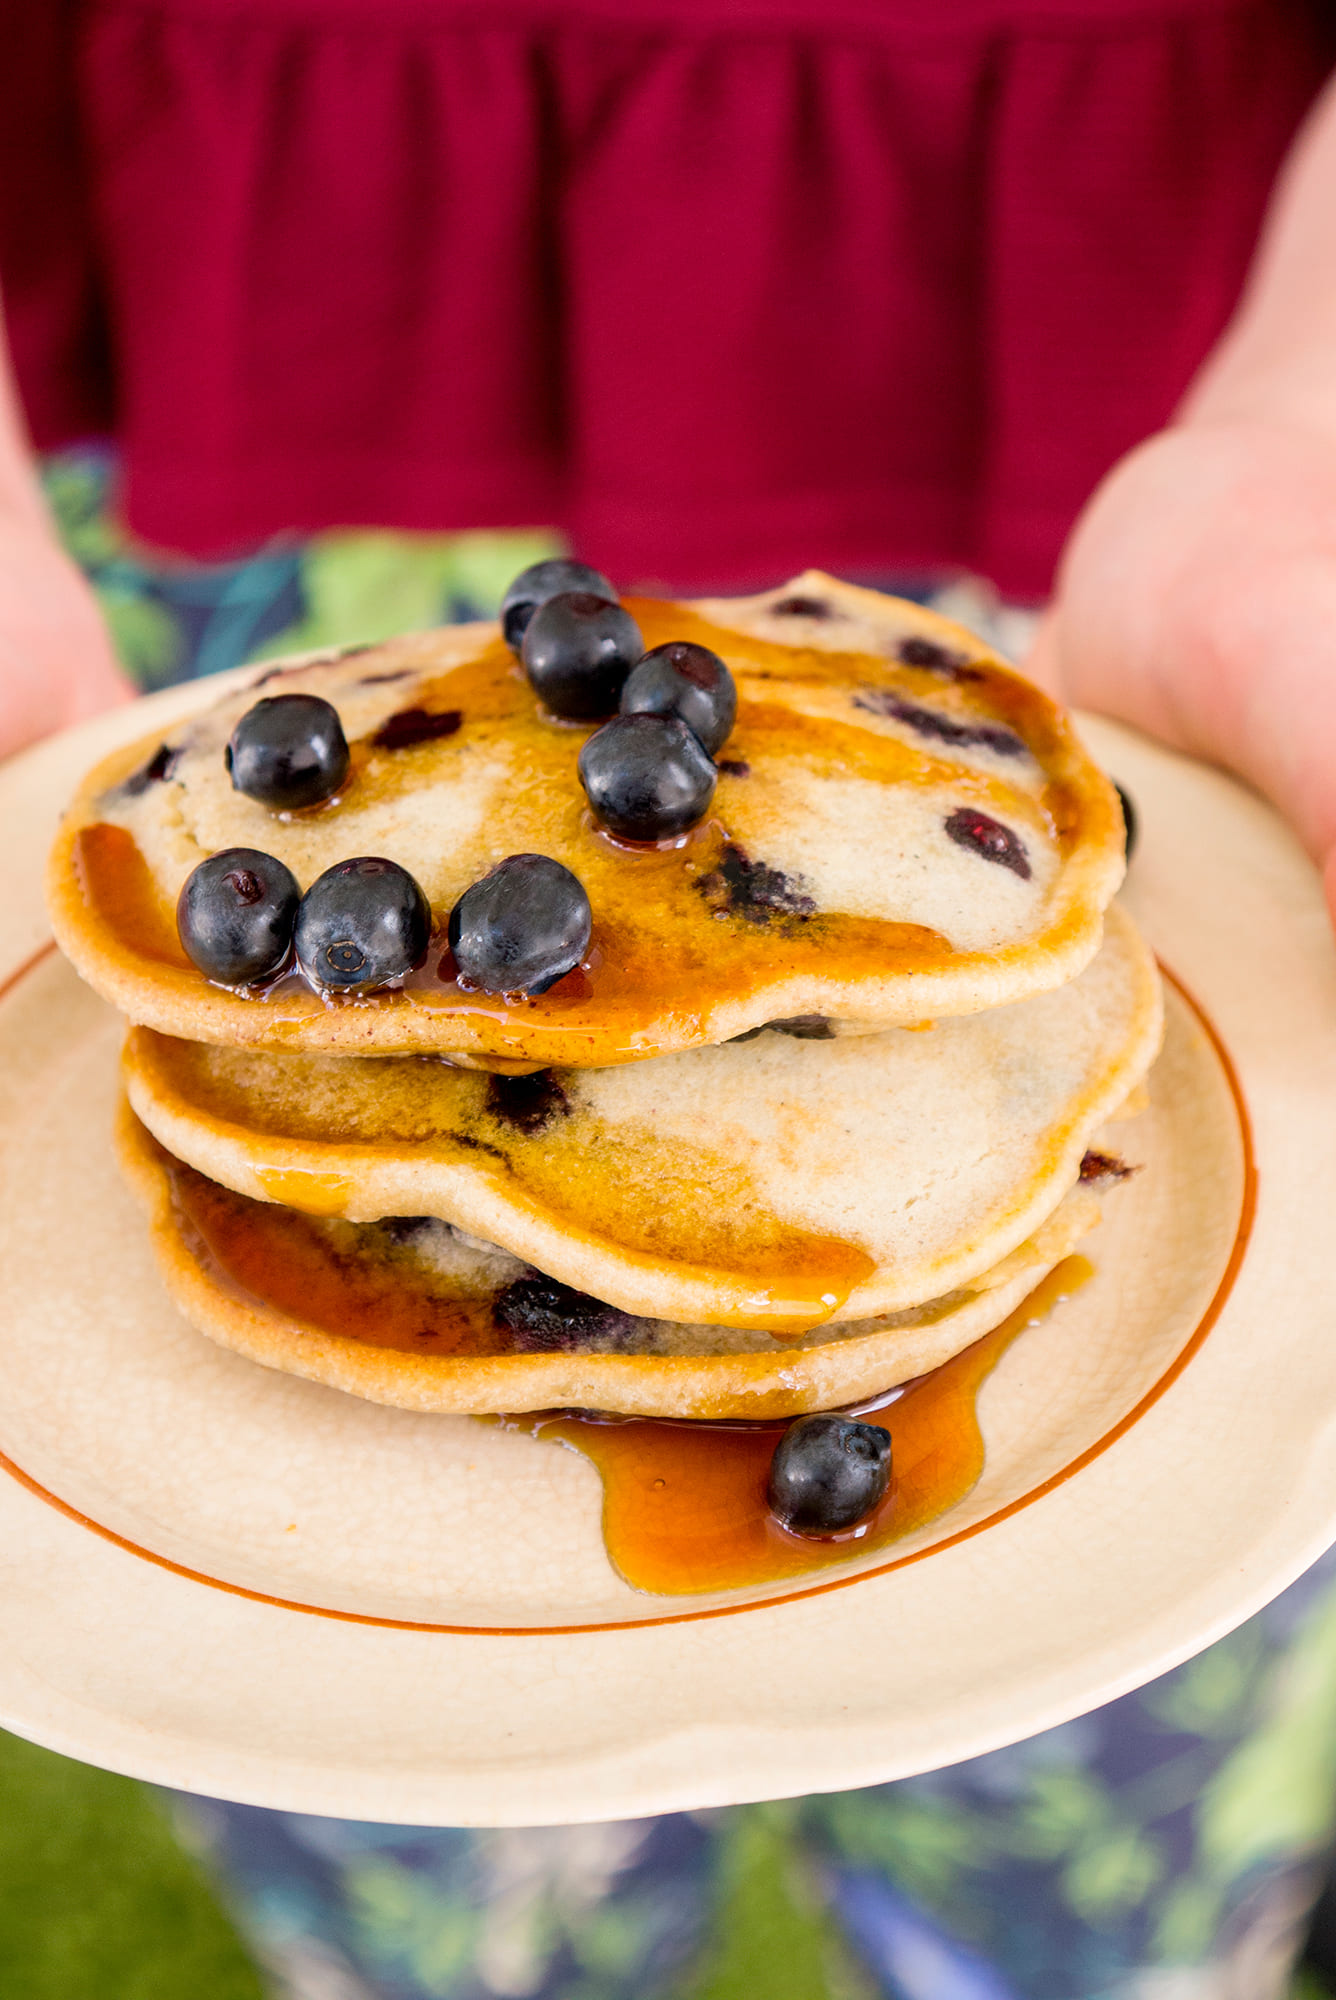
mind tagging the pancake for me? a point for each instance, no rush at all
(407, 1313)
(777, 1182)
(833, 875)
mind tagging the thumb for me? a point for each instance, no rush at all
(1043, 662)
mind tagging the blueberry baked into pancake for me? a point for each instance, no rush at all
(679, 1012)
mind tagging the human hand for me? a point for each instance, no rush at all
(1197, 599)
(56, 660)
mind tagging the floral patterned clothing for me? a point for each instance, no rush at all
(1166, 1847)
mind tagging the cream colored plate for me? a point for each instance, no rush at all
(236, 1585)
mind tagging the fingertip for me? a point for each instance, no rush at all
(108, 688)
(1043, 663)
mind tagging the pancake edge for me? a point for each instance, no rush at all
(360, 1184)
(780, 1383)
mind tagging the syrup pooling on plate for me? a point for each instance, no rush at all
(684, 1504)
(680, 928)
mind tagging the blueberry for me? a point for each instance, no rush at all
(647, 777)
(1129, 820)
(801, 607)
(528, 1103)
(522, 927)
(235, 915)
(994, 736)
(741, 887)
(689, 682)
(827, 1473)
(544, 1317)
(159, 767)
(362, 924)
(578, 650)
(542, 580)
(289, 750)
(1096, 1167)
(988, 838)
(916, 652)
(406, 1229)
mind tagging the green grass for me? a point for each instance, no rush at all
(98, 1901)
(771, 1937)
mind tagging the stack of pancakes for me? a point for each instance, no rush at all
(823, 1102)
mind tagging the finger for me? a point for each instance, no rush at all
(102, 685)
(1043, 662)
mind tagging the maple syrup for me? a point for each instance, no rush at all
(118, 885)
(306, 1189)
(678, 932)
(684, 1503)
(271, 1252)
(272, 1255)
(585, 1175)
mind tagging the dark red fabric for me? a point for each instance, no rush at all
(722, 289)
(48, 257)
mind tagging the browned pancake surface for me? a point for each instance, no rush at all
(824, 881)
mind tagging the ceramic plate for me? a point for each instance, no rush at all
(237, 1582)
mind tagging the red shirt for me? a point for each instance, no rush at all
(723, 287)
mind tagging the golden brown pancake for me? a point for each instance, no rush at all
(407, 1313)
(831, 877)
(779, 1182)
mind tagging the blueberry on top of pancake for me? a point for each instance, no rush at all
(852, 873)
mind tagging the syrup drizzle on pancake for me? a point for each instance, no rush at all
(271, 1252)
(262, 1251)
(120, 891)
(682, 930)
(771, 1185)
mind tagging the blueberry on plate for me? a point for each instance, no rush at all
(235, 915)
(578, 650)
(542, 580)
(827, 1473)
(647, 776)
(362, 924)
(1129, 820)
(522, 927)
(288, 751)
(687, 681)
